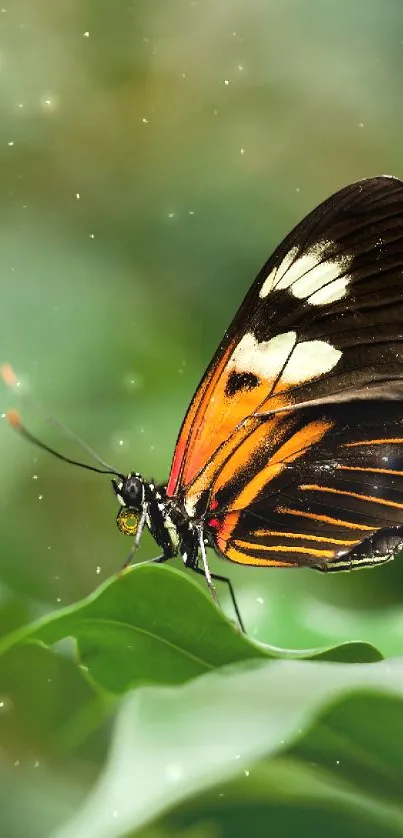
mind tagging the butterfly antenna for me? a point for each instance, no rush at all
(14, 419)
(67, 432)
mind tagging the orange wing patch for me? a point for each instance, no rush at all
(355, 495)
(252, 376)
(288, 452)
(191, 430)
(324, 519)
(214, 418)
(240, 557)
(280, 548)
(304, 536)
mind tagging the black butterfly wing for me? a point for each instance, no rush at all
(272, 461)
(322, 321)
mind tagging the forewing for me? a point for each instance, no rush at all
(331, 501)
(322, 321)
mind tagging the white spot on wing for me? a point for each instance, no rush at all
(265, 359)
(276, 274)
(331, 292)
(297, 362)
(297, 270)
(309, 360)
(310, 277)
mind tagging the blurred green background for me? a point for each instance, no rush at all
(152, 155)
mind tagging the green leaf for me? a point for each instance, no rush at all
(294, 797)
(49, 716)
(155, 625)
(233, 718)
(342, 777)
(34, 714)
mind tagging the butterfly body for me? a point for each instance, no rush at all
(291, 451)
(170, 527)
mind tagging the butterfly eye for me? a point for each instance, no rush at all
(128, 521)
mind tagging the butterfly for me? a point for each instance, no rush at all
(291, 451)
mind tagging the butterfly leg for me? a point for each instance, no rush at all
(216, 578)
(228, 582)
(206, 570)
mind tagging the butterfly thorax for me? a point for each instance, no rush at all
(144, 503)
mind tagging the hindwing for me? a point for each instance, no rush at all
(316, 500)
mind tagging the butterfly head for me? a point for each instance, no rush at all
(130, 493)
